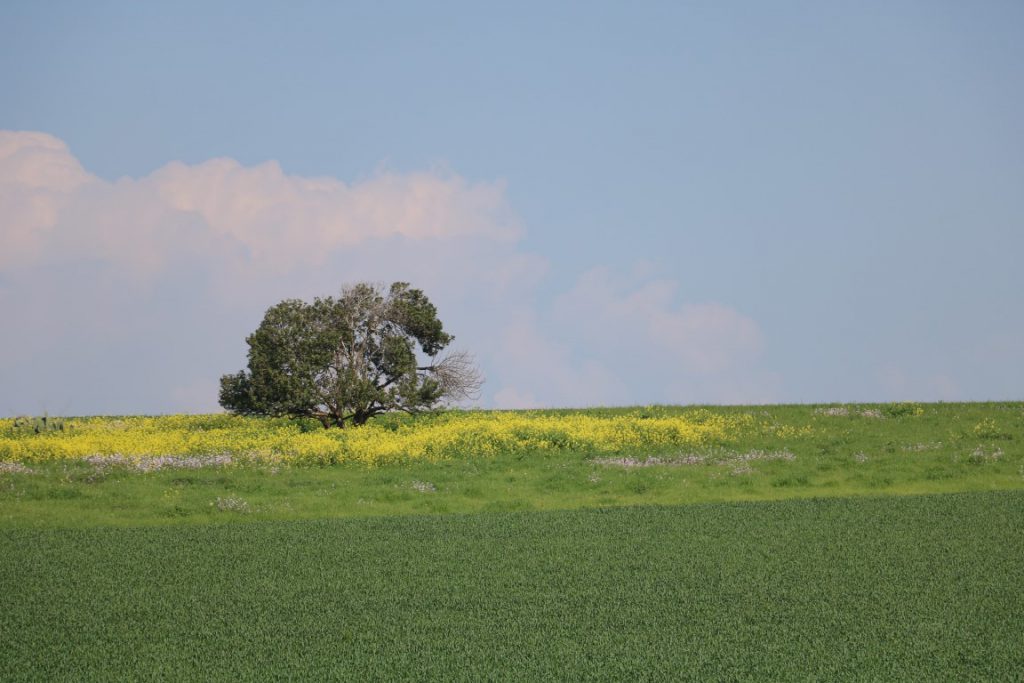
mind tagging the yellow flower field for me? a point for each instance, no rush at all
(440, 437)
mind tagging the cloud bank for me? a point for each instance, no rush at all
(136, 295)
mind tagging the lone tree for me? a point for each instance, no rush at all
(346, 359)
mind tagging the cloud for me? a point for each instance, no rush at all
(612, 339)
(38, 175)
(620, 316)
(537, 370)
(273, 221)
(136, 295)
(288, 221)
(38, 161)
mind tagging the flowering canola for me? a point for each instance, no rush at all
(429, 438)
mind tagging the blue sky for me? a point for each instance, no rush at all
(610, 203)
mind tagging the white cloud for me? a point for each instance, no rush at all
(135, 295)
(273, 221)
(37, 177)
(611, 340)
(535, 370)
(38, 161)
(285, 221)
(619, 316)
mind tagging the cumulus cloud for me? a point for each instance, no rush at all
(277, 222)
(538, 370)
(135, 295)
(37, 177)
(620, 317)
(613, 336)
(285, 221)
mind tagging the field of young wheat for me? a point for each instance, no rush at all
(892, 588)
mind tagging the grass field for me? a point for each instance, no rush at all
(90, 474)
(769, 542)
(899, 588)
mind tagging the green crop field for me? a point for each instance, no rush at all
(854, 542)
(924, 587)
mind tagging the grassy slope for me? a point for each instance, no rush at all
(894, 588)
(941, 450)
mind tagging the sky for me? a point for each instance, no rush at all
(609, 203)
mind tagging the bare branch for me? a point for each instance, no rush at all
(459, 377)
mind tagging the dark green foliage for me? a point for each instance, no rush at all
(903, 409)
(38, 425)
(902, 588)
(349, 358)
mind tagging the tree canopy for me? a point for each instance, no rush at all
(343, 360)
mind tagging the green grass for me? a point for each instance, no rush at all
(892, 588)
(945, 448)
(824, 564)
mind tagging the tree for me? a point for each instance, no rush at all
(344, 360)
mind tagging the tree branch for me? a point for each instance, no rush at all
(458, 376)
